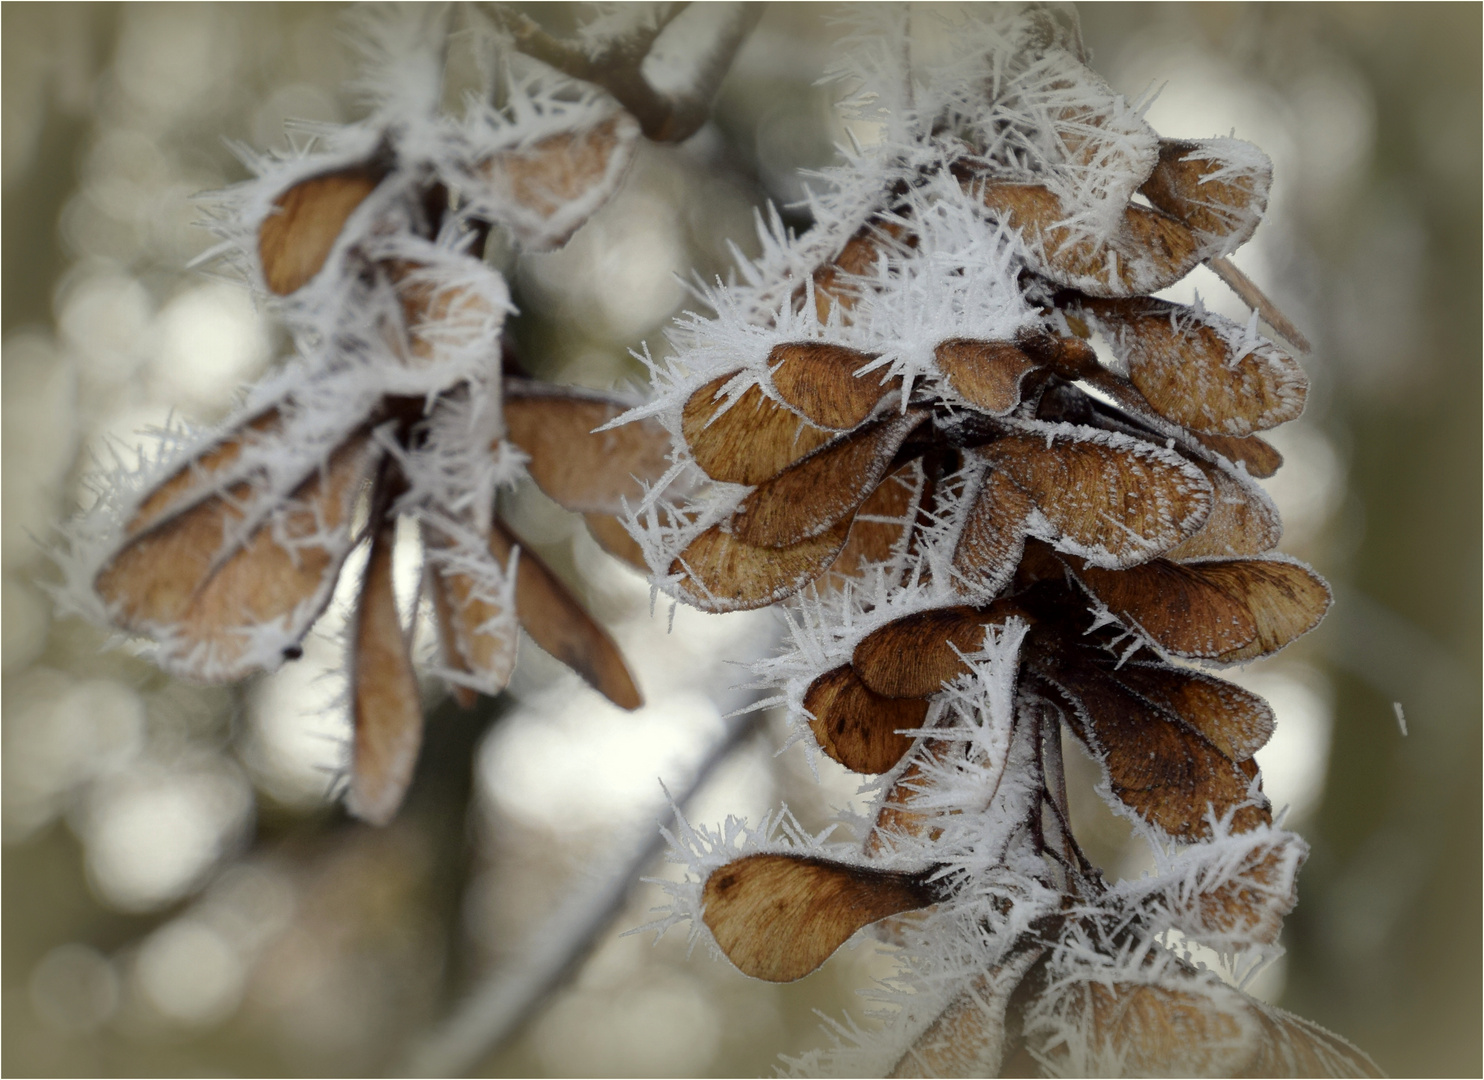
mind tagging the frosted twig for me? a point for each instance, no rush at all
(1253, 297)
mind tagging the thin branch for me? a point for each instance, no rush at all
(1253, 297)
(618, 67)
(496, 1008)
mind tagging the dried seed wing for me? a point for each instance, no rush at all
(907, 810)
(819, 380)
(1243, 519)
(813, 495)
(993, 535)
(1157, 765)
(584, 469)
(560, 625)
(719, 572)
(778, 917)
(225, 594)
(195, 480)
(883, 523)
(1222, 609)
(1218, 187)
(986, 374)
(545, 190)
(613, 538)
(1250, 899)
(913, 657)
(448, 645)
(1260, 458)
(1199, 370)
(1237, 721)
(385, 705)
(833, 282)
(1110, 498)
(858, 727)
(753, 440)
(297, 237)
(970, 1037)
(483, 634)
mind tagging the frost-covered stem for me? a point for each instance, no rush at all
(1255, 299)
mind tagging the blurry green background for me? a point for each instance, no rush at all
(181, 898)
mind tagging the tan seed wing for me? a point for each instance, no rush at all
(194, 481)
(753, 440)
(778, 917)
(857, 727)
(986, 374)
(913, 657)
(1157, 765)
(908, 810)
(1218, 187)
(813, 495)
(473, 594)
(560, 625)
(819, 380)
(1223, 609)
(883, 523)
(613, 538)
(545, 190)
(583, 469)
(448, 645)
(1198, 370)
(1251, 898)
(296, 238)
(1237, 721)
(719, 572)
(993, 535)
(388, 714)
(1260, 458)
(1116, 501)
(832, 284)
(211, 596)
(1243, 520)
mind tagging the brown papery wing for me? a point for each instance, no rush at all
(448, 643)
(752, 441)
(1222, 609)
(1119, 500)
(209, 587)
(819, 380)
(197, 479)
(583, 469)
(1193, 374)
(1237, 721)
(832, 284)
(778, 917)
(296, 238)
(883, 522)
(986, 374)
(719, 572)
(858, 727)
(560, 625)
(812, 495)
(1158, 766)
(1218, 187)
(993, 536)
(914, 656)
(613, 538)
(1261, 458)
(482, 633)
(1243, 520)
(388, 714)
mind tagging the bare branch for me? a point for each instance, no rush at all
(1253, 297)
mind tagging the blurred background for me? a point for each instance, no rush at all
(181, 896)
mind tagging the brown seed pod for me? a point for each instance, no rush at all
(1111, 495)
(385, 705)
(203, 579)
(1195, 370)
(297, 237)
(560, 625)
(1221, 609)
(753, 440)
(583, 469)
(858, 727)
(719, 572)
(986, 374)
(778, 917)
(819, 380)
(814, 494)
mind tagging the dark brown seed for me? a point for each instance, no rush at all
(296, 238)
(857, 727)
(753, 440)
(778, 917)
(560, 625)
(387, 712)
